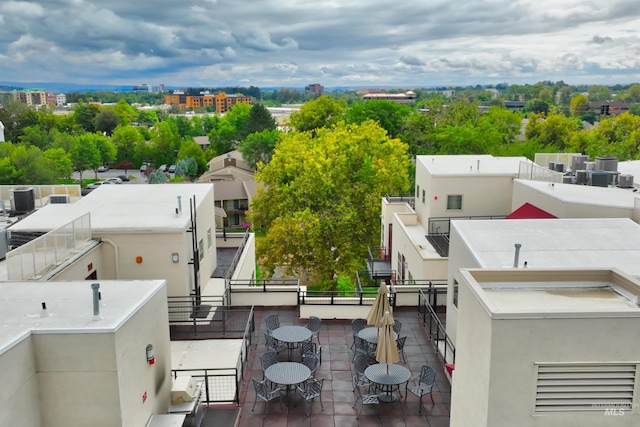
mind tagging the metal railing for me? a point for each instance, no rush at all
(435, 290)
(402, 198)
(435, 328)
(224, 385)
(205, 317)
(264, 285)
(320, 297)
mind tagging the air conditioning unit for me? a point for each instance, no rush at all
(59, 199)
(183, 389)
(23, 200)
(625, 181)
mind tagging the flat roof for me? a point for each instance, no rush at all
(554, 243)
(555, 292)
(128, 208)
(69, 307)
(476, 165)
(584, 194)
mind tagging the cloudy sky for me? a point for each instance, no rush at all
(335, 43)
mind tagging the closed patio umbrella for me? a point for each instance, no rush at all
(379, 307)
(387, 350)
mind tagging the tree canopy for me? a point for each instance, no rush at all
(320, 203)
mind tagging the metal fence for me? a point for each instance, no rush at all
(194, 318)
(435, 327)
(224, 385)
(320, 297)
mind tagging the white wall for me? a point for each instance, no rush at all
(136, 377)
(89, 262)
(19, 386)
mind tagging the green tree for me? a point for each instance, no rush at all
(157, 177)
(388, 114)
(554, 130)
(321, 112)
(59, 161)
(259, 119)
(320, 203)
(599, 93)
(258, 147)
(165, 143)
(35, 167)
(85, 154)
(106, 121)
(579, 105)
(125, 139)
(85, 115)
(106, 148)
(36, 137)
(193, 150)
(187, 167)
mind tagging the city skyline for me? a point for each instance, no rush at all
(211, 43)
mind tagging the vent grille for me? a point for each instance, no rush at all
(584, 387)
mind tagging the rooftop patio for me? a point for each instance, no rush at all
(336, 369)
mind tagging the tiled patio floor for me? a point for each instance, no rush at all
(336, 369)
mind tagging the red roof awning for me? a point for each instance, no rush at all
(529, 211)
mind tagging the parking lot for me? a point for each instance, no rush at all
(134, 174)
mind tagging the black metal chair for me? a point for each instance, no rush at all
(273, 344)
(424, 384)
(272, 323)
(360, 364)
(311, 390)
(314, 326)
(397, 325)
(309, 347)
(365, 400)
(362, 347)
(400, 342)
(265, 391)
(310, 361)
(356, 326)
(267, 359)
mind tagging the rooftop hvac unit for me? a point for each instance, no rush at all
(625, 181)
(23, 200)
(613, 177)
(590, 166)
(552, 166)
(559, 167)
(581, 177)
(599, 179)
(578, 161)
(606, 163)
(59, 199)
(567, 179)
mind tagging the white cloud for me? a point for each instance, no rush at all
(351, 42)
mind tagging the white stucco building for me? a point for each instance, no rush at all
(71, 367)
(546, 348)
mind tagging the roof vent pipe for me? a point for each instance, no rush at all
(517, 256)
(96, 299)
(478, 167)
(179, 204)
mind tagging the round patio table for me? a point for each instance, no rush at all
(292, 336)
(389, 376)
(370, 335)
(287, 374)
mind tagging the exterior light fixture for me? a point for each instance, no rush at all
(175, 257)
(150, 357)
(138, 260)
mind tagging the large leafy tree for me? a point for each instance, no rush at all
(165, 143)
(85, 115)
(85, 154)
(554, 130)
(578, 105)
(258, 147)
(125, 139)
(388, 114)
(259, 119)
(320, 204)
(321, 112)
(106, 121)
(193, 150)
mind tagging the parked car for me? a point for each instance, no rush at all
(103, 168)
(124, 177)
(172, 169)
(114, 180)
(163, 168)
(143, 168)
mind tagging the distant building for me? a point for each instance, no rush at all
(61, 100)
(607, 108)
(401, 98)
(51, 98)
(314, 88)
(31, 97)
(221, 102)
(141, 88)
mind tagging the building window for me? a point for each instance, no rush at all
(209, 238)
(200, 250)
(417, 191)
(456, 288)
(423, 194)
(569, 387)
(454, 202)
